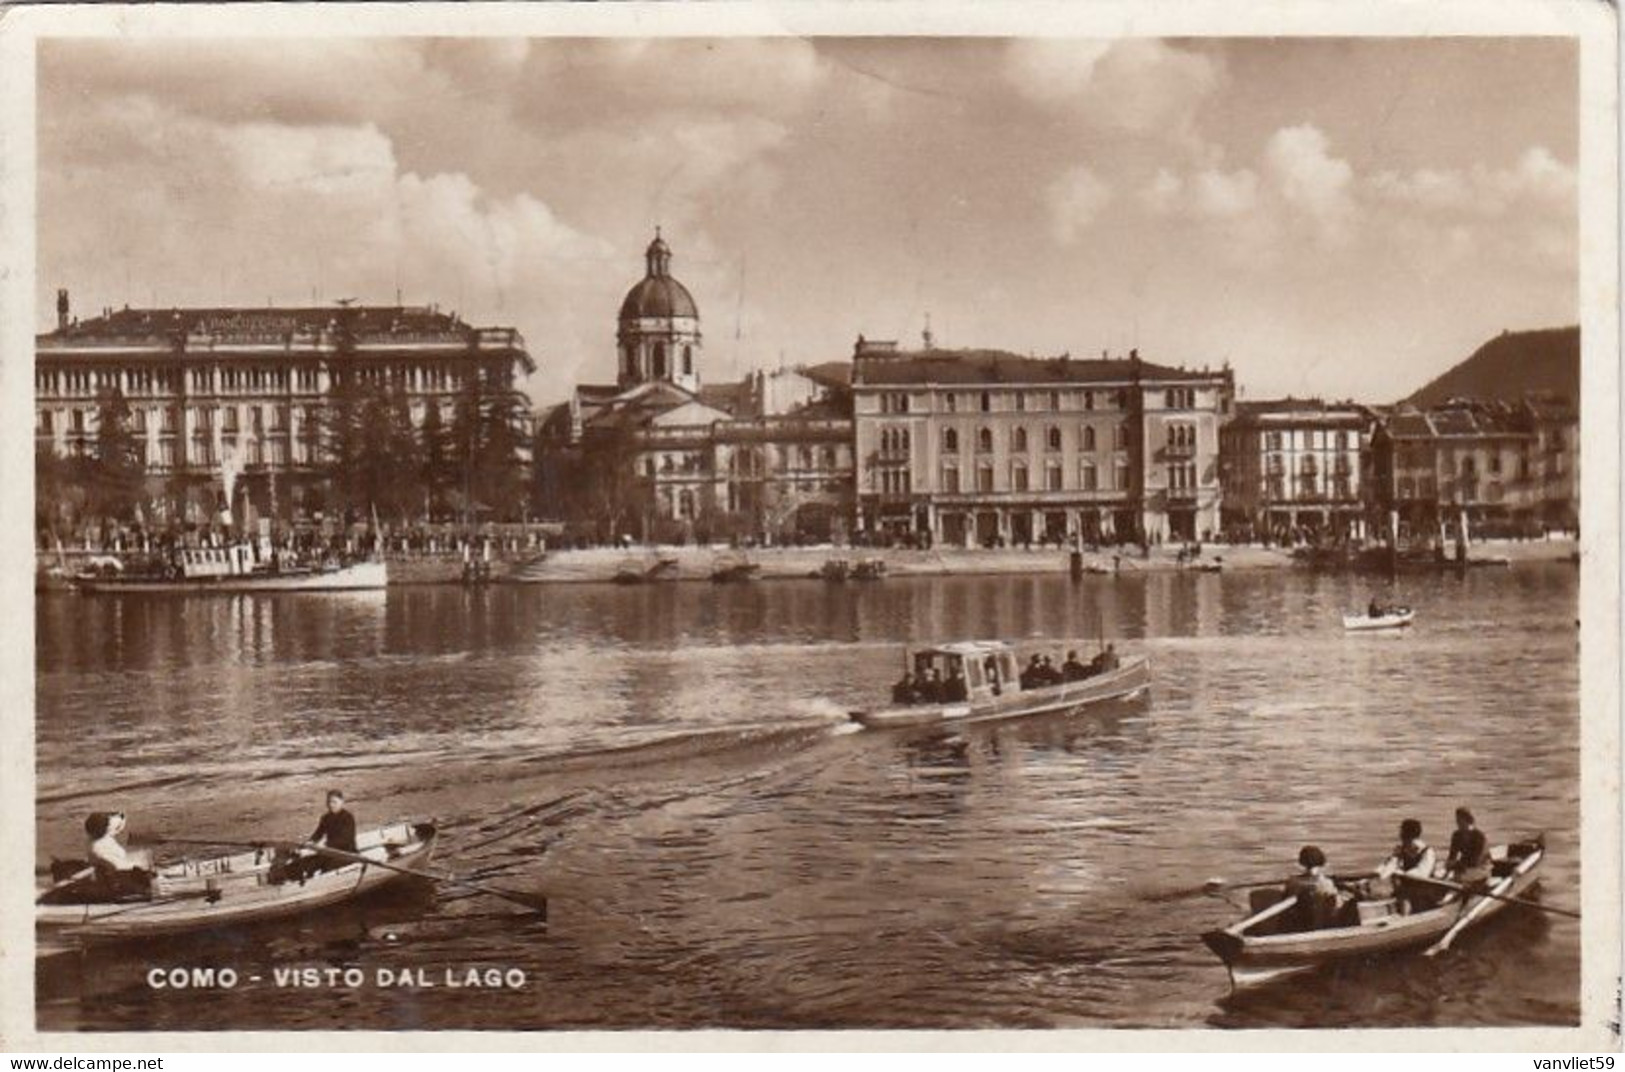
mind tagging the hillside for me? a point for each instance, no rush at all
(1510, 365)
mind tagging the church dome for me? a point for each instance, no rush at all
(657, 294)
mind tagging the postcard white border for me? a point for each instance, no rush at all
(1593, 24)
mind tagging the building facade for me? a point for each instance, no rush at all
(245, 391)
(986, 448)
(662, 455)
(1292, 467)
(1472, 468)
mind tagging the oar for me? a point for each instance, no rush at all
(1214, 885)
(1472, 892)
(534, 902)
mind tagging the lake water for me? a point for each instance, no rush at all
(672, 766)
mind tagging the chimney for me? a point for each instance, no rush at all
(61, 309)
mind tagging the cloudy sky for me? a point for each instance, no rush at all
(1339, 217)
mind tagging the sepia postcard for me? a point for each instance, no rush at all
(911, 525)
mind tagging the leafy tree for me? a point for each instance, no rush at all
(500, 477)
(435, 466)
(117, 467)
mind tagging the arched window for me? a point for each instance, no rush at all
(685, 504)
(827, 457)
(950, 441)
(688, 361)
(984, 440)
(1088, 477)
(659, 370)
(1052, 439)
(1018, 476)
(1088, 437)
(1052, 476)
(1018, 440)
(984, 477)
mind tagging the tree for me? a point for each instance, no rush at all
(434, 458)
(117, 468)
(500, 479)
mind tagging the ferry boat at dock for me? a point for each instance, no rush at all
(985, 676)
(239, 568)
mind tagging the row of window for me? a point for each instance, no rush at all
(1019, 401)
(657, 362)
(1089, 478)
(1307, 486)
(896, 440)
(1311, 439)
(235, 379)
(1307, 463)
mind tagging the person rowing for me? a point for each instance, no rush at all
(335, 830)
(1411, 858)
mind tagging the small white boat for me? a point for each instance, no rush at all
(1391, 618)
(984, 679)
(222, 890)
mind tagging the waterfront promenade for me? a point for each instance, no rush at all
(698, 563)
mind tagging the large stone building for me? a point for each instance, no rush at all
(663, 455)
(982, 447)
(245, 389)
(1292, 466)
(1471, 468)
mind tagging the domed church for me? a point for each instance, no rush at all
(659, 327)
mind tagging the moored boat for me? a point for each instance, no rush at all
(1273, 942)
(733, 572)
(228, 889)
(1390, 618)
(236, 569)
(982, 683)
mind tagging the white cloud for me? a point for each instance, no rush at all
(1140, 85)
(1210, 193)
(1075, 200)
(1538, 182)
(1310, 179)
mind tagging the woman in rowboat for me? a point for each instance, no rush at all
(1469, 859)
(119, 873)
(1314, 889)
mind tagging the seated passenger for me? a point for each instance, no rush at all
(1317, 895)
(1469, 859)
(1032, 675)
(931, 689)
(119, 873)
(1072, 669)
(904, 692)
(954, 689)
(1047, 674)
(1106, 660)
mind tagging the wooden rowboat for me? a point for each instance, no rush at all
(225, 890)
(1272, 943)
(992, 689)
(1394, 618)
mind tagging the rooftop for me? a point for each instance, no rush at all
(889, 366)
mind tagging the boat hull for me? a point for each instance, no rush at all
(1360, 623)
(1132, 677)
(1256, 959)
(361, 577)
(198, 895)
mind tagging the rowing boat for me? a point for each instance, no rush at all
(1272, 941)
(1393, 618)
(226, 890)
(990, 683)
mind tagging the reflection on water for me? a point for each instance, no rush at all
(670, 763)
